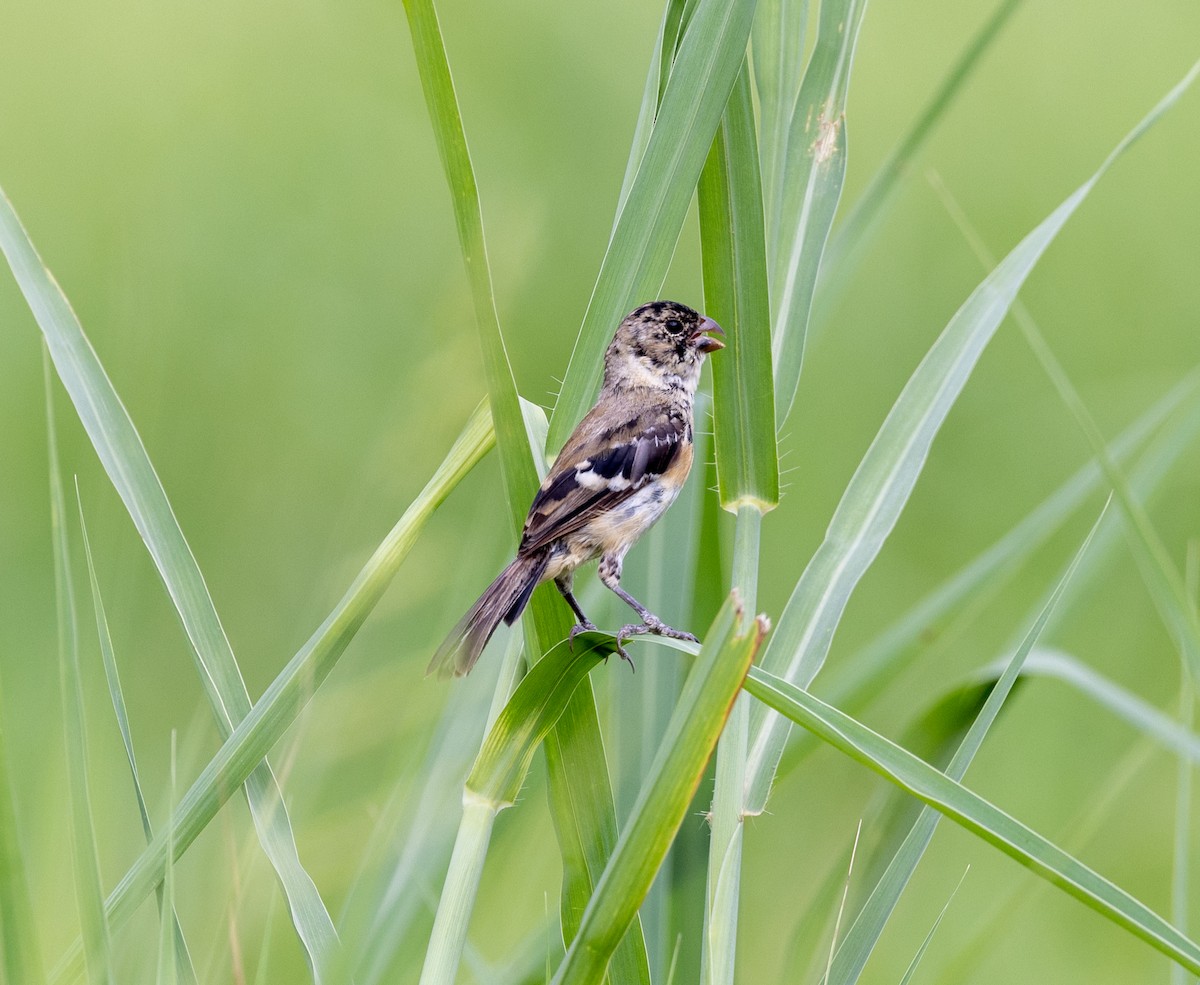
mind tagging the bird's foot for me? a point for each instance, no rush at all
(587, 626)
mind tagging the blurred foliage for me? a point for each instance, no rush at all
(245, 206)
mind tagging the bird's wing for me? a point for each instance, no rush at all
(593, 475)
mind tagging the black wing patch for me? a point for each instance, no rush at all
(575, 493)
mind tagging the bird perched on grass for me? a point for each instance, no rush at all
(618, 472)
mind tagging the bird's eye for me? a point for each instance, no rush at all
(673, 325)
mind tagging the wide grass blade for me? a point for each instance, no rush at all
(807, 193)
(295, 685)
(879, 489)
(575, 753)
(89, 897)
(708, 694)
(863, 935)
(710, 53)
(124, 458)
(974, 814)
(735, 294)
(179, 949)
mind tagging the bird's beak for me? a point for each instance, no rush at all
(703, 336)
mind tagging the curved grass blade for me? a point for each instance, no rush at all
(885, 478)
(974, 814)
(586, 838)
(735, 294)
(807, 195)
(711, 687)
(710, 53)
(124, 458)
(97, 944)
(853, 234)
(291, 690)
(863, 935)
(182, 967)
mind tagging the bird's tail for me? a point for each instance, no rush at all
(505, 599)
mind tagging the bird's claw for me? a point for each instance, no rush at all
(580, 627)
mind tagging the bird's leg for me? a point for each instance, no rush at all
(610, 575)
(563, 584)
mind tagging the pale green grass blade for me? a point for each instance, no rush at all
(974, 814)
(179, 948)
(853, 234)
(586, 837)
(869, 670)
(169, 934)
(885, 478)
(777, 58)
(735, 294)
(708, 694)
(862, 937)
(912, 967)
(1180, 877)
(814, 169)
(89, 897)
(643, 241)
(124, 458)
(288, 694)
(19, 957)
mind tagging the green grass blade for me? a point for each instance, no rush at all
(912, 967)
(586, 839)
(169, 935)
(708, 694)
(643, 241)
(179, 949)
(124, 458)
(869, 670)
(853, 234)
(974, 814)
(863, 935)
(777, 58)
(97, 945)
(808, 191)
(291, 690)
(880, 487)
(735, 294)
(19, 958)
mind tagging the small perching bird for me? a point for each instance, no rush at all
(617, 473)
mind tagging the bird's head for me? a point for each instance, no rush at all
(660, 344)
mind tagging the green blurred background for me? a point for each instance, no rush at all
(245, 207)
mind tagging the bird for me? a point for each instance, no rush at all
(617, 473)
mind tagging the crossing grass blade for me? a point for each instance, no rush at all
(735, 294)
(975, 814)
(575, 754)
(292, 689)
(124, 458)
(814, 168)
(89, 897)
(643, 240)
(868, 925)
(708, 694)
(879, 489)
(179, 949)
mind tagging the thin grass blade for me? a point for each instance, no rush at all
(916, 961)
(89, 897)
(735, 294)
(124, 458)
(974, 814)
(643, 240)
(692, 734)
(179, 949)
(863, 935)
(880, 487)
(295, 685)
(807, 194)
(169, 935)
